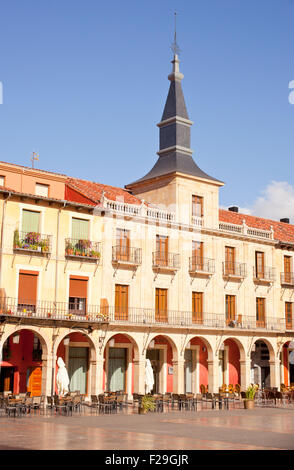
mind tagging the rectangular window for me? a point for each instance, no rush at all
(121, 302)
(197, 206)
(161, 305)
(260, 312)
(27, 290)
(122, 244)
(30, 221)
(197, 255)
(230, 308)
(229, 260)
(2, 180)
(161, 250)
(42, 190)
(287, 270)
(288, 315)
(77, 302)
(259, 265)
(197, 307)
(80, 229)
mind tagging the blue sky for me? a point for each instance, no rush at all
(85, 83)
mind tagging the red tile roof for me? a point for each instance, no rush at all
(93, 191)
(282, 231)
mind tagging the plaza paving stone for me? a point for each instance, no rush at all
(235, 429)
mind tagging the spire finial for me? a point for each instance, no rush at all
(174, 47)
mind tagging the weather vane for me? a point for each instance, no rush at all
(35, 156)
(174, 47)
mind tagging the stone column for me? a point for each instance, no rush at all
(245, 373)
(275, 373)
(178, 379)
(47, 373)
(98, 374)
(139, 375)
(213, 384)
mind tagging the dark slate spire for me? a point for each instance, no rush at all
(175, 154)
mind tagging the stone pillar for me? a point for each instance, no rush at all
(178, 379)
(98, 373)
(213, 384)
(275, 373)
(245, 373)
(139, 375)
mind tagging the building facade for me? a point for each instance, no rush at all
(106, 277)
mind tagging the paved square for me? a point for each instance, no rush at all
(237, 429)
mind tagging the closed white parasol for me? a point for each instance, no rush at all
(149, 376)
(62, 379)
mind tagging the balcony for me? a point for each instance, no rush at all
(201, 266)
(82, 249)
(289, 323)
(235, 271)
(32, 243)
(126, 256)
(287, 279)
(165, 262)
(48, 312)
(264, 275)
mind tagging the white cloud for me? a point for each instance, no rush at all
(276, 202)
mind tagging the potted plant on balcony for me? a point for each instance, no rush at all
(147, 404)
(33, 240)
(250, 394)
(16, 240)
(84, 246)
(44, 244)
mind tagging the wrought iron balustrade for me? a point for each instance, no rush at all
(201, 265)
(266, 274)
(169, 261)
(82, 248)
(287, 279)
(33, 242)
(126, 255)
(234, 269)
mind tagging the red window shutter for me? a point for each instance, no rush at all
(27, 287)
(78, 287)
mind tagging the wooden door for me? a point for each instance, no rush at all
(123, 244)
(161, 250)
(230, 308)
(161, 305)
(121, 302)
(35, 381)
(197, 206)
(197, 256)
(229, 260)
(260, 312)
(197, 307)
(287, 269)
(259, 265)
(288, 314)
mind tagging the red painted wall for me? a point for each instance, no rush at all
(233, 362)
(21, 359)
(203, 366)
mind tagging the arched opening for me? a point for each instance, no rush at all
(77, 352)
(229, 363)
(21, 363)
(161, 353)
(196, 366)
(119, 371)
(260, 364)
(287, 361)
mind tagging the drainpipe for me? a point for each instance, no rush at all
(2, 234)
(56, 286)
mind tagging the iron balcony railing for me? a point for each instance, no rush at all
(48, 310)
(266, 274)
(234, 269)
(170, 261)
(287, 279)
(33, 242)
(82, 248)
(201, 265)
(126, 255)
